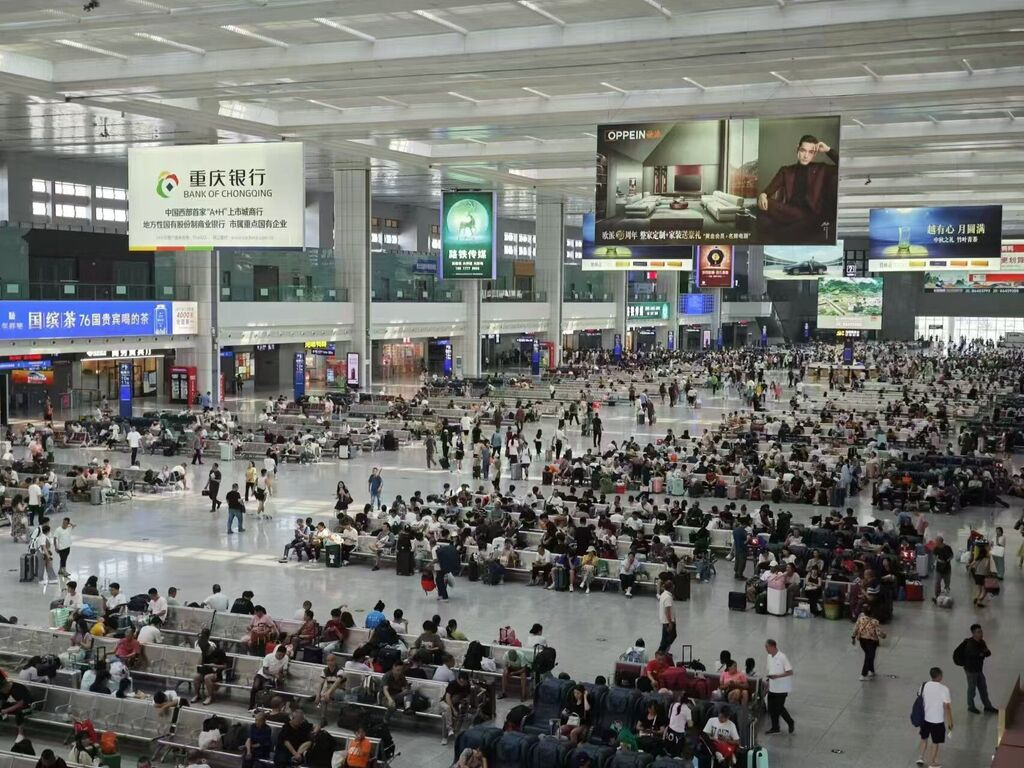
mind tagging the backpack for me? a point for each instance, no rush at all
(48, 665)
(958, 654)
(474, 654)
(633, 656)
(507, 636)
(543, 660)
(34, 539)
(515, 717)
(215, 723)
(235, 737)
(917, 711)
(138, 603)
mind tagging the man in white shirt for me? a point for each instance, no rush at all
(62, 543)
(272, 672)
(134, 441)
(218, 601)
(151, 633)
(780, 685)
(157, 605)
(723, 733)
(938, 716)
(117, 603)
(666, 614)
(35, 501)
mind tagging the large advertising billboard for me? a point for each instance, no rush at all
(715, 266)
(935, 239)
(608, 258)
(1009, 278)
(209, 196)
(744, 181)
(26, 320)
(803, 262)
(850, 302)
(468, 236)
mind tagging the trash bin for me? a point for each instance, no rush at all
(96, 496)
(227, 451)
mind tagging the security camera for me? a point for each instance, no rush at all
(90, 5)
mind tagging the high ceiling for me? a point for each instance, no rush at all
(507, 93)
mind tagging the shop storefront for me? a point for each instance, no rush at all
(99, 371)
(320, 357)
(398, 360)
(34, 377)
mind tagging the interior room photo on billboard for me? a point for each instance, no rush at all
(759, 181)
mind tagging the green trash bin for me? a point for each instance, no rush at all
(333, 554)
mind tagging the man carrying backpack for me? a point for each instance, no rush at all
(971, 655)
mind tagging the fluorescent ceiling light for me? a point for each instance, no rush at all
(659, 8)
(933, 119)
(778, 76)
(591, 135)
(871, 72)
(92, 49)
(858, 122)
(171, 43)
(443, 22)
(458, 95)
(347, 30)
(616, 88)
(541, 12)
(694, 83)
(477, 141)
(390, 100)
(325, 104)
(533, 138)
(1009, 114)
(150, 4)
(535, 92)
(967, 66)
(254, 35)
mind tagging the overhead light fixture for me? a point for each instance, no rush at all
(1009, 114)
(171, 43)
(541, 12)
(442, 22)
(535, 92)
(659, 8)
(967, 66)
(615, 88)
(858, 122)
(871, 72)
(694, 83)
(458, 95)
(533, 138)
(347, 30)
(390, 100)
(778, 76)
(150, 4)
(589, 134)
(477, 141)
(934, 119)
(92, 49)
(254, 35)
(325, 105)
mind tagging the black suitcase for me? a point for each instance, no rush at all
(737, 601)
(332, 552)
(29, 567)
(547, 478)
(473, 570)
(404, 562)
(681, 586)
(445, 463)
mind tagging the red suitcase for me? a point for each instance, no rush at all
(915, 591)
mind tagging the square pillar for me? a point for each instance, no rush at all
(352, 257)
(550, 263)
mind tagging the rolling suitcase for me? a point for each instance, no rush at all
(311, 654)
(915, 591)
(404, 562)
(676, 486)
(560, 578)
(924, 565)
(640, 419)
(547, 478)
(757, 758)
(657, 485)
(517, 471)
(777, 602)
(737, 601)
(681, 587)
(96, 496)
(945, 600)
(473, 569)
(29, 567)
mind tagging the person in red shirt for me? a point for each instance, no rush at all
(128, 649)
(655, 667)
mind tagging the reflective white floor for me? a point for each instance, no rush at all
(174, 540)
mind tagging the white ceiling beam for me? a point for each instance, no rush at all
(20, 65)
(345, 28)
(814, 18)
(659, 8)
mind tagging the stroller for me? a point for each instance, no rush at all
(57, 505)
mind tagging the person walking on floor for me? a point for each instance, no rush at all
(235, 508)
(998, 553)
(448, 564)
(597, 428)
(262, 491)
(431, 445)
(780, 685)
(134, 441)
(943, 565)
(197, 449)
(981, 569)
(213, 487)
(375, 485)
(666, 614)
(62, 543)
(250, 479)
(868, 631)
(938, 716)
(971, 655)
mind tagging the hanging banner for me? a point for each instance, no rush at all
(714, 266)
(201, 197)
(468, 236)
(20, 320)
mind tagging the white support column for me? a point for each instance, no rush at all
(200, 271)
(352, 257)
(471, 338)
(716, 316)
(668, 285)
(550, 261)
(619, 288)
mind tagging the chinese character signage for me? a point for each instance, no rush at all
(468, 236)
(1009, 278)
(299, 371)
(736, 181)
(714, 266)
(647, 310)
(608, 258)
(21, 320)
(124, 390)
(850, 302)
(958, 238)
(221, 195)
